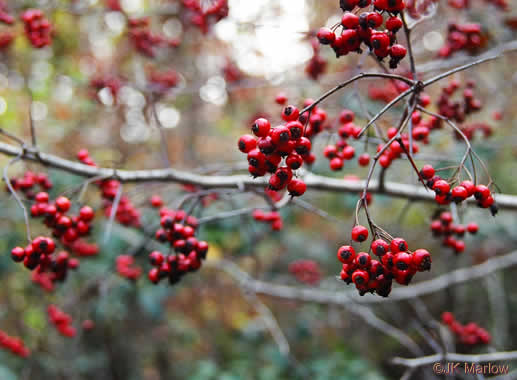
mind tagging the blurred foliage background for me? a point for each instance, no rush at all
(203, 327)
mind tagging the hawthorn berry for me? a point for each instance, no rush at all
(296, 187)
(261, 127)
(364, 159)
(359, 233)
(380, 247)
(421, 260)
(346, 254)
(325, 37)
(398, 245)
(290, 113)
(247, 143)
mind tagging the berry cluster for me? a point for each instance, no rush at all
(5, 17)
(395, 262)
(142, 38)
(61, 320)
(458, 110)
(317, 64)
(418, 8)
(202, 17)
(126, 213)
(112, 83)
(15, 345)
(27, 183)
(67, 227)
(445, 193)
(366, 28)
(465, 4)
(178, 229)
(37, 28)
(125, 266)
(465, 37)
(341, 151)
(283, 149)
(272, 217)
(305, 271)
(48, 266)
(470, 334)
(443, 226)
(45, 280)
(162, 81)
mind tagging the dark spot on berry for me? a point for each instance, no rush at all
(402, 266)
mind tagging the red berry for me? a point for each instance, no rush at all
(41, 197)
(18, 254)
(336, 163)
(154, 275)
(402, 261)
(472, 228)
(281, 97)
(380, 247)
(261, 127)
(393, 24)
(398, 51)
(398, 245)
(360, 277)
(294, 161)
(86, 214)
(359, 233)
(290, 113)
(325, 37)
(246, 143)
(303, 146)
(421, 260)
(459, 194)
(346, 254)
(481, 192)
(350, 20)
(346, 116)
(441, 187)
(427, 172)
(296, 187)
(364, 159)
(469, 186)
(280, 135)
(63, 204)
(362, 260)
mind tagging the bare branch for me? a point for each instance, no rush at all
(239, 182)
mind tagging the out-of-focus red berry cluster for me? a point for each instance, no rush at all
(443, 227)
(13, 344)
(306, 271)
(204, 16)
(37, 28)
(467, 37)
(125, 266)
(470, 334)
(62, 321)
